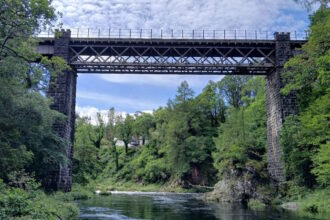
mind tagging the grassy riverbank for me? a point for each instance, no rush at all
(303, 202)
(111, 184)
(315, 204)
(31, 202)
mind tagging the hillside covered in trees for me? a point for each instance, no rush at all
(184, 143)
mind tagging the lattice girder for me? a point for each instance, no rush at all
(172, 58)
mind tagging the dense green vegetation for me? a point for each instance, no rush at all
(28, 145)
(179, 144)
(188, 142)
(31, 202)
(306, 138)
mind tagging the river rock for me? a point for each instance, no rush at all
(238, 187)
(293, 206)
(231, 191)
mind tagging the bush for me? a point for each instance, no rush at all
(19, 203)
(77, 193)
(14, 203)
(105, 193)
(255, 204)
(322, 165)
(317, 201)
(80, 193)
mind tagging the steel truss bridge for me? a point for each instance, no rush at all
(204, 52)
(199, 54)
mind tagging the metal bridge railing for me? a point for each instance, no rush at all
(174, 34)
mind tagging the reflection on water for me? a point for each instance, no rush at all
(171, 207)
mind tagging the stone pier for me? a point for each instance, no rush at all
(63, 93)
(278, 106)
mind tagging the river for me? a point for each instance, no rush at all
(169, 206)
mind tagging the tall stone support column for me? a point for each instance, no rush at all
(63, 93)
(278, 106)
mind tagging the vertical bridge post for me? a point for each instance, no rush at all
(278, 106)
(63, 92)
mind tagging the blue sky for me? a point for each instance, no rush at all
(129, 93)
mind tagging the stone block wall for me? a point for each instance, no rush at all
(278, 106)
(63, 92)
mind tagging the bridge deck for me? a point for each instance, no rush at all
(169, 56)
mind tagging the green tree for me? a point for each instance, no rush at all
(188, 151)
(19, 21)
(308, 73)
(27, 139)
(241, 141)
(231, 89)
(184, 94)
(98, 131)
(303, 137)
(310, 3)
(321, 162)
(111, 131)
(211, 104)
(142, 124)
(86, 164)
(125, 129)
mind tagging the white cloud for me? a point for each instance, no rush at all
(91, 112)
(111, 100)
(148, 111)
(181, 14)
(160, 80)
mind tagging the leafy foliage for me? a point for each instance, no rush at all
(177, 149)
(29, 147)
(32, 203)
(241, 141)
(85, 164)
(321, 161)
(306, 136)
(27, 139)
(143, 122)
(125, 129)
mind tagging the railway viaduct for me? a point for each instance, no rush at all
(194, 55)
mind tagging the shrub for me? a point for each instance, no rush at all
(317, 201)
(19, 203)
(322, 165)
(255, 204)
(80, 193)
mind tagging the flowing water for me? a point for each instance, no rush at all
(169, 206)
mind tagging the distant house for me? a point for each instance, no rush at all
(134, 142)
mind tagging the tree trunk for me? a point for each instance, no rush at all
(117, 163)
(98, 144)
(115, 154)
(126, 147)
(143, 141)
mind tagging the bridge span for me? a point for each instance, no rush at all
(160, 55)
